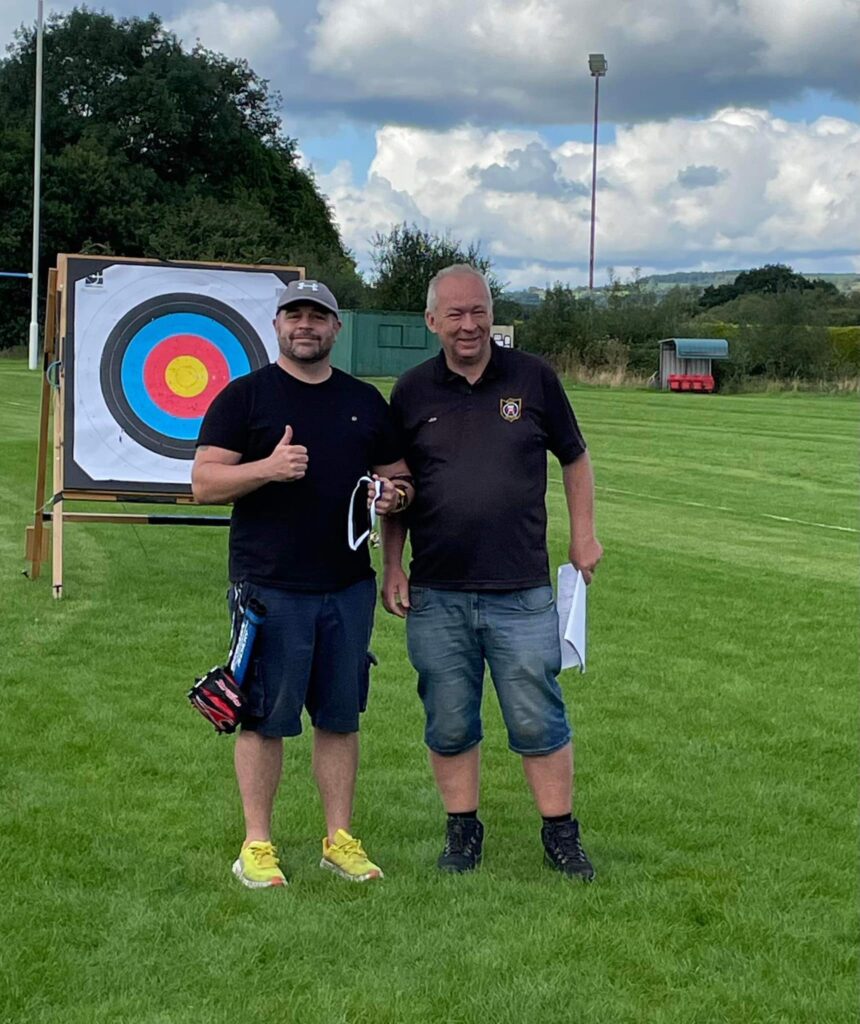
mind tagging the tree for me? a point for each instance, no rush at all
(150, 150)
(405, 260)
(771, 279)
(507, 310)
(561, 326)
(782, 340)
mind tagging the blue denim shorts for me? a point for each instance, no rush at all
(451, 634)
(311, 651)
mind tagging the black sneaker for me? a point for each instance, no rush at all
(563, 850)
(463, 845)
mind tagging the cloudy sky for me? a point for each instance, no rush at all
(729, 129)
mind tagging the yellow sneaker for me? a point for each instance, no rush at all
(257, 866)
(346, 857)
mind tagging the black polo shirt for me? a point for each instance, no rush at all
(478, 454)
(294, 534)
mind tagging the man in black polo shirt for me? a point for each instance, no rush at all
(477, 422)
(287, 444)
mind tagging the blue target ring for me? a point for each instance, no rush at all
(151, 326)
(144, 343)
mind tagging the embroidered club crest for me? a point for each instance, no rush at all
(510, 409)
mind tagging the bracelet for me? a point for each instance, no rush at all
(402, 500)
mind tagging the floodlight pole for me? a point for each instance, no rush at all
(37, 188)
(597, 66)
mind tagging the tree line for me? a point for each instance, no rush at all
(799, 330)
(153, 150)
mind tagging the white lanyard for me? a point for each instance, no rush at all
(353, 541)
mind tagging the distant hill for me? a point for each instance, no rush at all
(692, 278)
(702, 279)
(526, 297)
(699, 279)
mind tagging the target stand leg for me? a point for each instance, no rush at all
(38, 548)
(57, 548)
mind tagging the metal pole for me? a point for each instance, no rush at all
(593, 185)
(37, 186)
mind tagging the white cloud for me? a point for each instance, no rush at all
(364, 210)
(232, 29)
(797, 35)
(498, 62)
(762, 186)
(503, 59)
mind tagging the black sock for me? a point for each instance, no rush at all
(556, 819)
(464, 814)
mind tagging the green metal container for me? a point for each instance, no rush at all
(379, 344)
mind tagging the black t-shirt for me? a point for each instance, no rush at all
(294, 535)
(478, 454)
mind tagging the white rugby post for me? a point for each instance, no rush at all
(37, 188)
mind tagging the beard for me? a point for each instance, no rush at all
(306, 349)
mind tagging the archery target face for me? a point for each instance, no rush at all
(166, 360)
(153, 347)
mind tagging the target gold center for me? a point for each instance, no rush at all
(186, 376)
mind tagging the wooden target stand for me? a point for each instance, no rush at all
(44, 542)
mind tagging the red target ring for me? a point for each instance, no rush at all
(183, 373)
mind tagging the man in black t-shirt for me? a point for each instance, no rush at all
(477, 422)
(287, 444)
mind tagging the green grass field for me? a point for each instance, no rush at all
(717, 752)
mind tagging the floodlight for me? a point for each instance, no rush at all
(597, 66)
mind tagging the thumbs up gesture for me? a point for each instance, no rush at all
(288, 461)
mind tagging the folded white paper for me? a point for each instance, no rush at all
(571, 617)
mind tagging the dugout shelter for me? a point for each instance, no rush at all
(686, 364)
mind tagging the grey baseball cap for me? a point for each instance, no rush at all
(308, 291)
